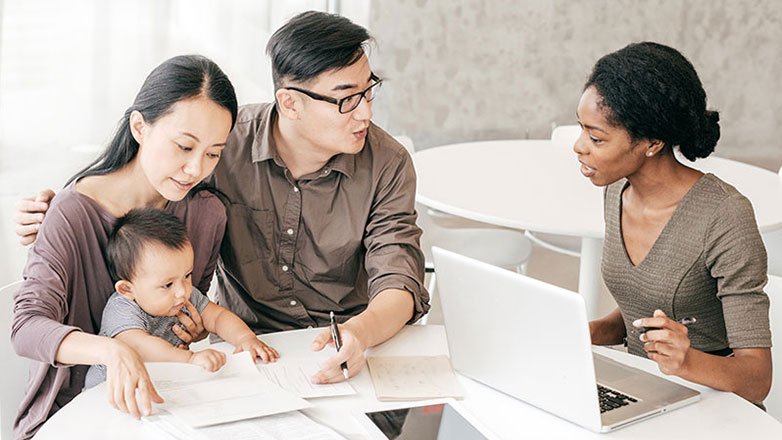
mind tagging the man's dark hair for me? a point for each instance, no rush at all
(653, 92)
(312, 43)
(137, 229)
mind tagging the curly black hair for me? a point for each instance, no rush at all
(653, 92)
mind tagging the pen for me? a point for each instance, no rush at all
(684, 320)
(337, 342)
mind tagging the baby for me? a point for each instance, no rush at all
(151, 260)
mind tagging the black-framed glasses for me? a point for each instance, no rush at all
(348, 103)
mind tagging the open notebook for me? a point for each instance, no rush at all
(413, 378)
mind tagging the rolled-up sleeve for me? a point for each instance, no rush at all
(394, 259)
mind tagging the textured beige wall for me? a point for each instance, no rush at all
(472, 69)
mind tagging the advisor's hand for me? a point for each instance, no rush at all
(667, 343)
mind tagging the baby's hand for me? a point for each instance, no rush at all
(257, 349)
(209, 360)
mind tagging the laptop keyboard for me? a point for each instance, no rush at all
(612, 399)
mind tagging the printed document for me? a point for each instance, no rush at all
(235, 392)
(293, 374)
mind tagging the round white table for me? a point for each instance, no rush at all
(716, 415)
(532, 185)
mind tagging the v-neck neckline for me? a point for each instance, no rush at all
(665, 229)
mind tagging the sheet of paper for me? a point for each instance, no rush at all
(288, 426)
(235, 392)
(293, 374)
(413, 377)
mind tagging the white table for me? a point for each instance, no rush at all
(717, 415)
(531, 185)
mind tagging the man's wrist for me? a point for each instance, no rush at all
(356, 328)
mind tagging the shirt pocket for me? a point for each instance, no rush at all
(250, 232)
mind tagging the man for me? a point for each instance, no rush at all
(320, 201)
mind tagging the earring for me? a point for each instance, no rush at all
(649, 153)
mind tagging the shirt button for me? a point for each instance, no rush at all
(293, 303)
(284, 268)
(290, 231)
(295, 189)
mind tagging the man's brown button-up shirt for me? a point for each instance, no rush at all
(294, 250)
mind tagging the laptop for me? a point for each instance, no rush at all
(530, 340)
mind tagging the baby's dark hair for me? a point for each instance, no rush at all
(653, 92)
(139, 228)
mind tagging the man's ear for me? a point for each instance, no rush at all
(125, 288)
(137, 126)
(288, 104)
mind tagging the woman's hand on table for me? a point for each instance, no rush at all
(125, 374)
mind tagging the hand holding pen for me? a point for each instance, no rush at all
(666, 341)
(338, 343)
(349, 358)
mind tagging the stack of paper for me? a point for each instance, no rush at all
(413, 377)
(288, 426)
(235, 392)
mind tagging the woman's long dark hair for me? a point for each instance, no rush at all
(176, 79)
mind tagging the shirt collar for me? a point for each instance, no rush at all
(264, 147)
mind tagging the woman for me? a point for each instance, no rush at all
(677, 242)
(167, 142)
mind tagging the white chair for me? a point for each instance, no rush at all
(773, 242)
(774, 400)
(14, 368)
(501, 247)
(562, 137)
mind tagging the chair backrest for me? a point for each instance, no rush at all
(773, 242)
(774, 400)
(564, 136)
(14, 368)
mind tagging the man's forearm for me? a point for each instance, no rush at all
(385, 315)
